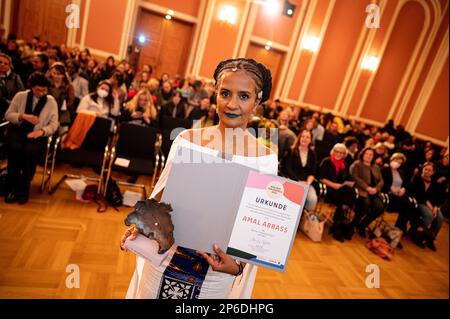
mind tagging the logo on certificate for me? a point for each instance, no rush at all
(275, 189)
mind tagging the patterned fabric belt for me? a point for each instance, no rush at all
(184, 276)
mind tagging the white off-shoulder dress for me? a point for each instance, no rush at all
(151, 282)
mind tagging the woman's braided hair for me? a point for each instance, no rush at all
(260, 74)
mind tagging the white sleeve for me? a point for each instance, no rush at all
(84, 104)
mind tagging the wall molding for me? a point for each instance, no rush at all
(292, 42)
(310, 9)
(87, 7)
(418, 67)
(195, 40)
(354, 71)
(277, 46)
(126, 29)
(428, 87)
(431, 139)
(104, 53)
(244, 20)
(312, 63)
(7, 16)
(380, 56)
(253, 11)
(406, 79)
(203, 37)
(163, 10)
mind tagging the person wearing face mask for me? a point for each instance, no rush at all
(426, 191)
(101, 103)
(394, 186)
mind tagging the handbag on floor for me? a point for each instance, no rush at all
(113, 194)
(312, 225)
(380, 247)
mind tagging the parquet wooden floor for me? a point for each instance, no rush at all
(38, 240)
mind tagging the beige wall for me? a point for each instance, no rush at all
(410, 84)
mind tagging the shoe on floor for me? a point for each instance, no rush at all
(430, 244)
(22, 199)
(362, 232)
(10, 198)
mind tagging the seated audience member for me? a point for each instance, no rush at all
(381, 155)
(389, 127)
(304, 114)
(33, 115)
(335, 175)
(374, 140)
(197, 94)
(429, 155)
(442, 172)
(101, 102)
(153, 87)
(425, 190)
(286, 137)
(299, 164)
(267, 134)
(140, 110)
(318, 130)
(195, 113)
(165, 77)
(164, 95)
(395, 186)
(407, 147)
(110, 67)
(369, 183)
(175, 108)
(62, 90)
(352, 145)
(270, 110)
(390, 143)
(80, 84)
(39, 63)
(119, 87)
(207, 120)
(10, 83)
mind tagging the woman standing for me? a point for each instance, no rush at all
(241, 85)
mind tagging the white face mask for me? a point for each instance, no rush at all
(395, 164)
(102, 93)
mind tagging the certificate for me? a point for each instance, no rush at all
(250, 215)
(267, 220)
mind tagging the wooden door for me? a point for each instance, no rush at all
(55, 29)
(168, 43)
(46, 18)
(272, 59)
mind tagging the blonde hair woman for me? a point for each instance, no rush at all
(140, 110)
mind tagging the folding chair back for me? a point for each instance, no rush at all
(136, 141)
(98, 135)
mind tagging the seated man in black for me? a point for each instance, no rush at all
(33, 115)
